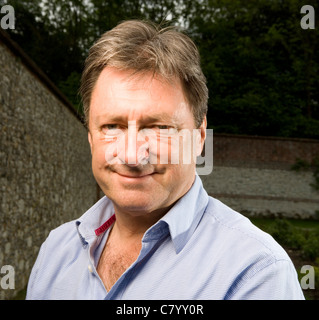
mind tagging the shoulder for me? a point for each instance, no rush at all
(259, 268)
(64, 235)
(54, 254)
(237, 244)
(56, 246)
(63, 250)
(240, 231)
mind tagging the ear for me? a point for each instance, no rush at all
(90, 141)
(202, 137)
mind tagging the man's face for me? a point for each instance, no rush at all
(136, 130)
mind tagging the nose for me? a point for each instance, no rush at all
(136, 151)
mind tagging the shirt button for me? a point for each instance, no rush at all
(90, 268)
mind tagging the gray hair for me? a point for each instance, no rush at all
(140, 47)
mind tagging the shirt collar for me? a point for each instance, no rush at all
(94, 218)
(185, 215)
(182, 219)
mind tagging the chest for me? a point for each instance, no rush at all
(114, 262)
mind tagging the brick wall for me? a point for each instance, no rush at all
(262, 152)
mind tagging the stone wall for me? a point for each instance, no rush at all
(46, 176)
(253, 176)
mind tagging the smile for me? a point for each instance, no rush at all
(131, 177)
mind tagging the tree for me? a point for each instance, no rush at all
(57, 34)
(260, 65)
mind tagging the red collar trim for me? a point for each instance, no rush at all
(105, 225)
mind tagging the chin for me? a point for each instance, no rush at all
(133, 201)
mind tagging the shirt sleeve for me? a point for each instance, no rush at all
(277, 281)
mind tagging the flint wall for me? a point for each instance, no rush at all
(45, 158)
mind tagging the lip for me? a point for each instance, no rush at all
(135, 177)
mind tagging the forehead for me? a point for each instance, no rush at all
(116, 92)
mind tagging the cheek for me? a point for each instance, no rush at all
(112, 152)
(176, 180)
(159, 150)
(106, 149)
(179, 150)
(98, 154)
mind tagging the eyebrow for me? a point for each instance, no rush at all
(160, 117)
(147, 119)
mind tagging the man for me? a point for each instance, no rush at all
(156, 234)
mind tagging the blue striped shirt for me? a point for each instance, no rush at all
(201, 249)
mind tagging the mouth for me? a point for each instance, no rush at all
(135, 176)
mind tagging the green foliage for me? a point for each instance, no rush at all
(57, 34)
(300, 164)
(311, 246)
(70, 88)
(286, 234)
(304, 239)
(261, 66)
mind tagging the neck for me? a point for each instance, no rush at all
(132, 226)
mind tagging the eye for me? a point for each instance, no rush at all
(163, 129)
(111, 129)
(110, 126)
